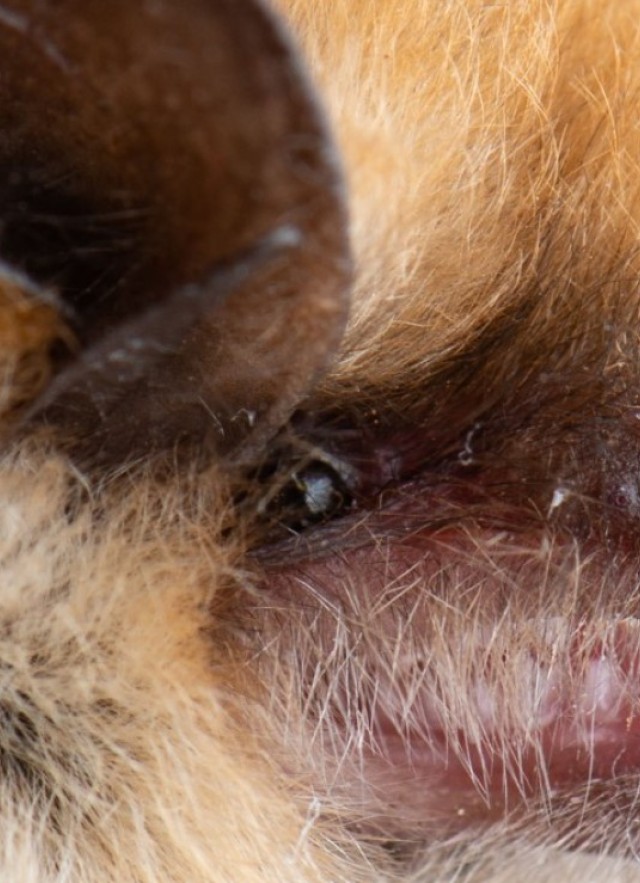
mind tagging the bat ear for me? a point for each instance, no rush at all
(165, 169)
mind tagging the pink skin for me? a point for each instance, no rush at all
(578, 718)
(586, 728)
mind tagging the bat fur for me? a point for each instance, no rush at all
(185, 696)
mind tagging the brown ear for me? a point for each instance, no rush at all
(165, 168)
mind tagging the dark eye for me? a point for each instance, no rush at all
(322, 491)
(311, 491)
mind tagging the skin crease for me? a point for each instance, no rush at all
(440, 683)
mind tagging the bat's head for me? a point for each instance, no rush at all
(277, 603)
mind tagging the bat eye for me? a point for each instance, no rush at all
(319, 492)
(313, 491)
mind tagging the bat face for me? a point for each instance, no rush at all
(286, 594)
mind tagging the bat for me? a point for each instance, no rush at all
(320, 429)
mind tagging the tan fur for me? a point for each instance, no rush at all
(165, 713)
(491, 148)
(28, 326)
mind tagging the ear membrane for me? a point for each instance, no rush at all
(165, 170)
